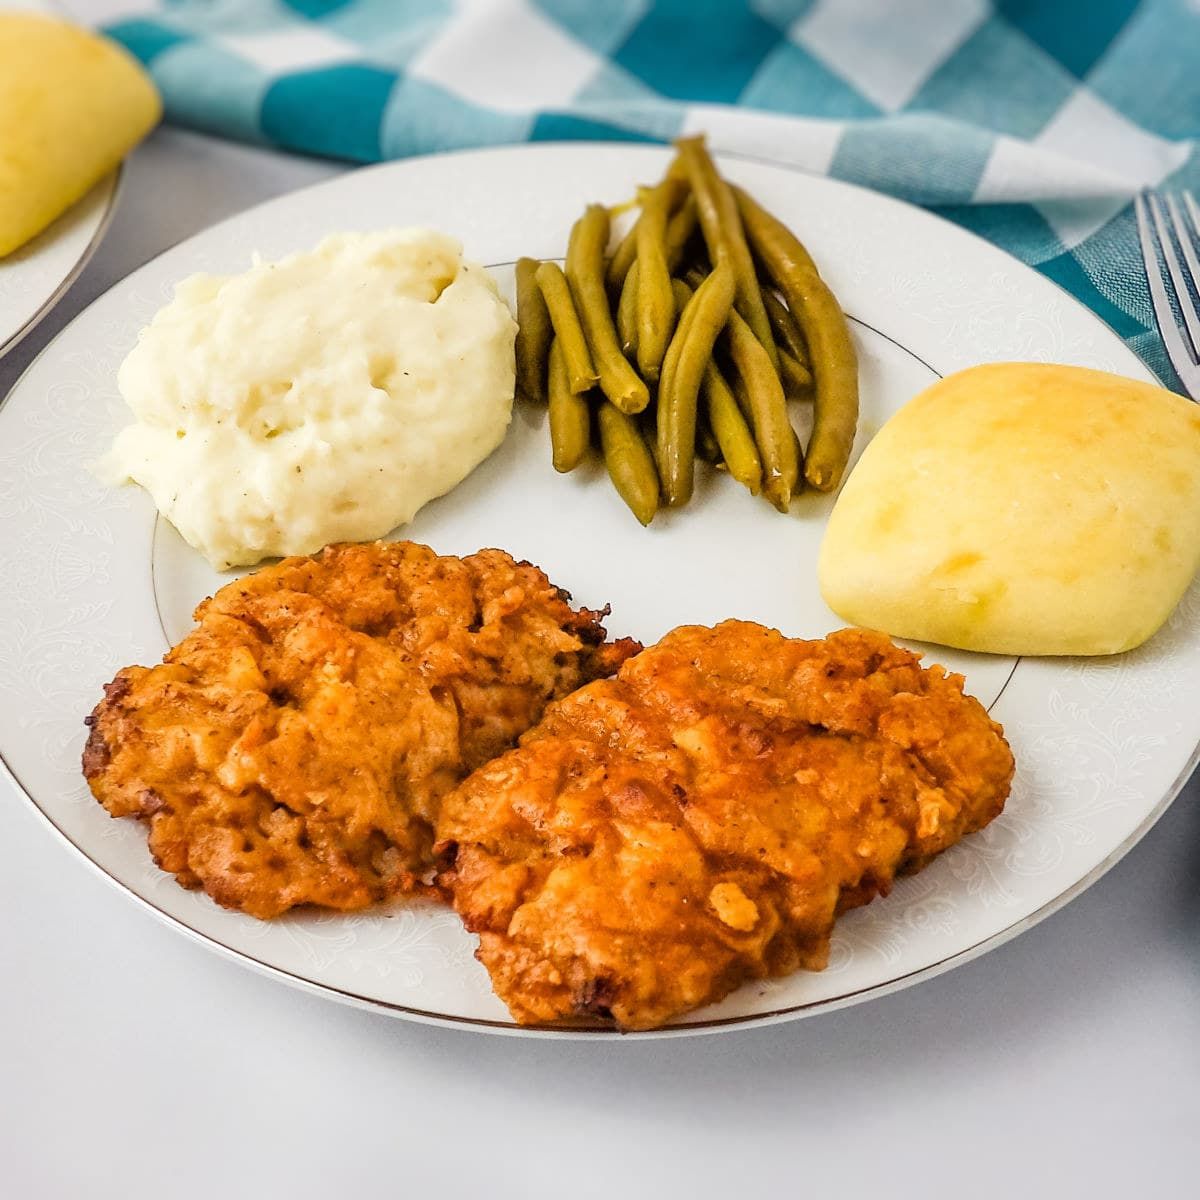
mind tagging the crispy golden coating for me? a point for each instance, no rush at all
(293, 748)
(702, 818)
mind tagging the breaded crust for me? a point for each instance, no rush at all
(293, 749)
(702, 818)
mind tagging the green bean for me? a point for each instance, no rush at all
(666, 384)
(693, 264)
(765, 402)
(831, 352)
(699, 327)
(534, 332)
(682, 293)
(627, 326)
(729, 427)
(568, 331)
(650, 433)
(797, 380)
(622, 259)
(795, 377)
(787, 332)
(707, 446)
(726, 240)
(570, 415)
(585, 273)
(629, 462)
(679, 229)
(655, 302)
(626, 252)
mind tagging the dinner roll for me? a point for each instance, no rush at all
(1021, 508)
(72, 105)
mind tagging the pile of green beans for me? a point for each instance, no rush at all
(685, 342)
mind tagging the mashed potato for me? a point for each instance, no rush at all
(322, 398)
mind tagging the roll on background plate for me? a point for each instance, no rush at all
(72, 105)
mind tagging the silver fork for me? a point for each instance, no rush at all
(1180, 334)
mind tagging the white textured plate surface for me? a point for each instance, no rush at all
(93, 581)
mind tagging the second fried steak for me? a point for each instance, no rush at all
(294, 747)
(702, 818)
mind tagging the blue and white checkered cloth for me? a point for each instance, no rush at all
(1031, 122)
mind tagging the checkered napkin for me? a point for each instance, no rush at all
(1031, 122)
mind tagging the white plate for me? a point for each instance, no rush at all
(34, 278)
(93, 581)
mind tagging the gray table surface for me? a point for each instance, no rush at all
(134, 1063)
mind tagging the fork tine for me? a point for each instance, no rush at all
(1189, 202)
(1187, 243)
(1183, 295)
(1177, 351)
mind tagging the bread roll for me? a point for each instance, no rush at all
(1021, 508)
(72, 105)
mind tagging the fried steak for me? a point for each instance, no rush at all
(702, 818)
(294, 748)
